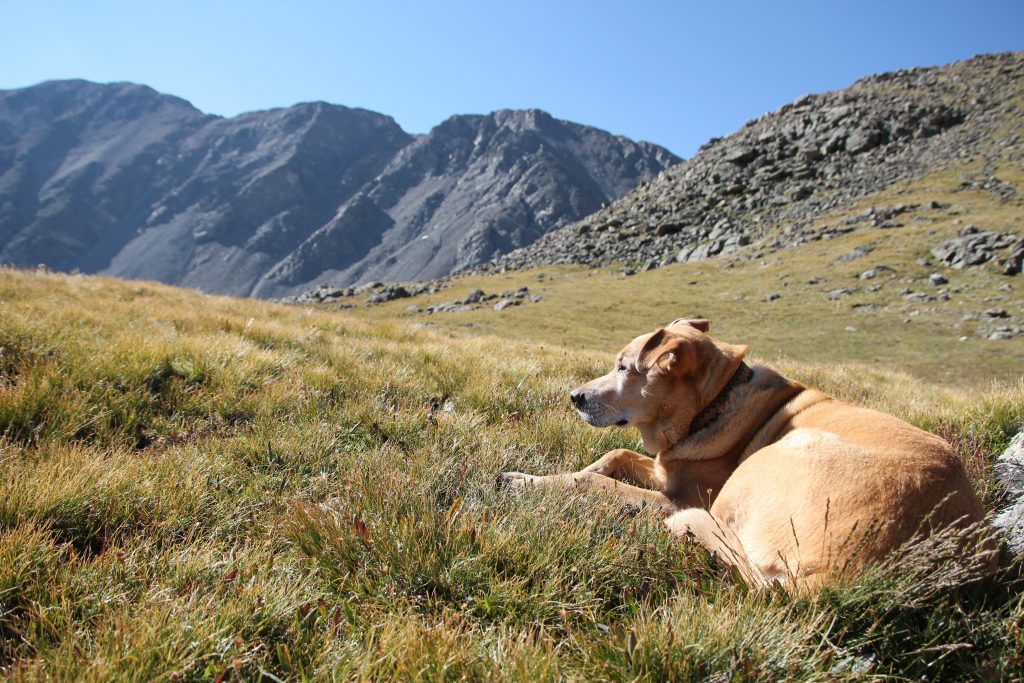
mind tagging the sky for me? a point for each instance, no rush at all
(673, 72)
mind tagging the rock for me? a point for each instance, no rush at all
(1014, 261)
(741, 155)
(389, 293)
(668, 229)
(810, 154)
(862, 141)
(856, 253)
(1000, 335)
(1009, 467)
(450, 307)
(937, 279)
(838, 293)
(972, 247)
(367, 287)
(997, 313)
(801, 192)
(505, 303)
(774, 296)
(473, 297)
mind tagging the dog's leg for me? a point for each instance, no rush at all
(712, 533)
(625, 464)
(632, 495)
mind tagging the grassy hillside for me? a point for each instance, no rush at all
(941, 342)
(198, 488)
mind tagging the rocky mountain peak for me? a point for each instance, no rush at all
(122, 180)
(814, 154)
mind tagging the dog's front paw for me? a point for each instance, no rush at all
(516, 480)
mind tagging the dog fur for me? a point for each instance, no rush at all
(780, 480)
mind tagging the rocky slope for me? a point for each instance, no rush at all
(765, 184)
(472, 189)
(121, 180)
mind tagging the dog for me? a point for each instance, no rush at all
(777, 479)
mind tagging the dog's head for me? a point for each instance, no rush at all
(660, 382)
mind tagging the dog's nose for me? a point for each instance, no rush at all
(578, 397)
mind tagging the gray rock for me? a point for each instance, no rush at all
(854, 254)
(937, 279)
(974, 247)
(505, 303)
(862, 141)
(838, 293)
(741, 155)
(389, 294)
(366, 287)
(1009, 469)
(1014, 261)
(450, 307)
(473, 297)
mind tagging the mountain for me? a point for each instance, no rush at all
(473, 188)
(763, 187)
(121, 180)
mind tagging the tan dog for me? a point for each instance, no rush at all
(780, 480)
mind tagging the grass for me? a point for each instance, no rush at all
(202, 488)
(938, 341)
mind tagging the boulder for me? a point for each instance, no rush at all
(1014, 262)
(862, 141)
(505, 303)
(389, 293)
(1009, 469)
(741, 155)
(841, 292)
(972, 247)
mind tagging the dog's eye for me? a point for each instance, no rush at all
(622, 368)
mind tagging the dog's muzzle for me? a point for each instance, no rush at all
(596, 415)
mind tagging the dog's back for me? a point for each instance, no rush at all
(842, 486)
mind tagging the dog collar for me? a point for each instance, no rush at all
(713, 410)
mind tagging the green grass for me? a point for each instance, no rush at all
(201, 488)
(601, 310)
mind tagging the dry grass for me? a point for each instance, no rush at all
(202, 488)
(935, 341)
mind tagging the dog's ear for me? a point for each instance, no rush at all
(668, 353)
(696, 323)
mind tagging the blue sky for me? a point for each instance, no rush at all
(675, 73)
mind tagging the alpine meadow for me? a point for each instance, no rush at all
(196, 487)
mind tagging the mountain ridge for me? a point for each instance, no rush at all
(121, 180)
(763, 186)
